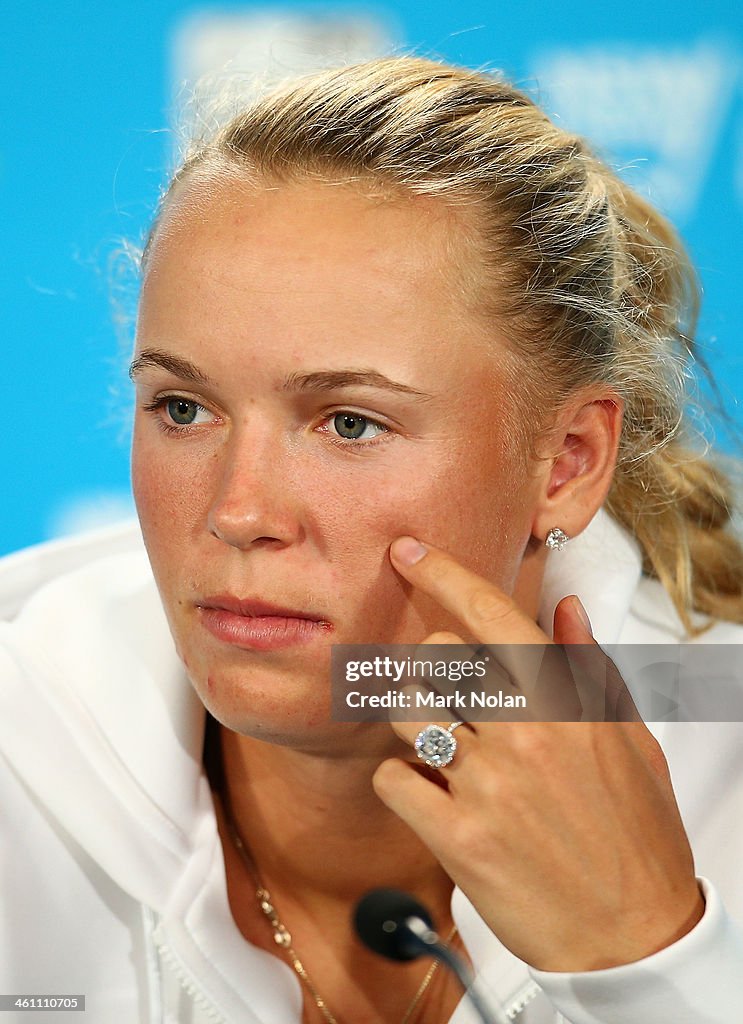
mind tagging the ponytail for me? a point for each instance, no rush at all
(666, 490)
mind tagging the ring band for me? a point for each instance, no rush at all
(436, 746)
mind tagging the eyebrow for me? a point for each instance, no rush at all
(318, 380)
(327, 380)
(182, 368)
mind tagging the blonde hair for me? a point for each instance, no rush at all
(593, 282)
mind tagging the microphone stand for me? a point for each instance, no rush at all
(433, 946)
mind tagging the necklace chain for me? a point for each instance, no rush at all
(282, 936)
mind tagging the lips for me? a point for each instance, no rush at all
(253, 608)
(257, 625)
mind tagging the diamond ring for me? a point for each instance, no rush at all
(436, 746)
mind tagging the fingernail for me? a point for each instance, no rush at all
(408, 550)
(583, 615)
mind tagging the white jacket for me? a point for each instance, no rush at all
(111, 867)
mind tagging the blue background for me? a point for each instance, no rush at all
(86, 94)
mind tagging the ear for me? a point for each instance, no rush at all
(579, 456)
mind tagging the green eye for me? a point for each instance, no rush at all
(350, 425)
(182, 411)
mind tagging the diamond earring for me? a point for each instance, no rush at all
(556, 539)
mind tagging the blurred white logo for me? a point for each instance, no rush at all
(221, 60)
(657, 113)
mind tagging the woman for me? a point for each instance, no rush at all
(409, 365)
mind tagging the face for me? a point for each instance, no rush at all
(310, 386)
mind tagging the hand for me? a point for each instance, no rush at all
(565, 836)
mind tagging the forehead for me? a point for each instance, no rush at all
(251, 284)
(349, 233)
(261, 279)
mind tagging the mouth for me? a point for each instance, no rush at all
(257, 625)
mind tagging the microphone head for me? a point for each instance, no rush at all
(380, 918)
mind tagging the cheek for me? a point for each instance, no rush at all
(170, 480)
(452, 493)
(480, 517)
(167, 493)
(473, 509)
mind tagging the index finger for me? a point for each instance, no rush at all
(489, 614)
(558, 685)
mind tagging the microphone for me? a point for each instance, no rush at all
(395, 925)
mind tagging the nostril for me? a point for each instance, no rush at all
(269, 525)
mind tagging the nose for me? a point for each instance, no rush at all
(254, 498)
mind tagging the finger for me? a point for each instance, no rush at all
(443, 691)
(452, 692)
(443, 637)
(420, 710)
(604, 695)
(571, 624)
(487, 612)
(477, 653)
(430, 740)
(536, 665)
(426, 808)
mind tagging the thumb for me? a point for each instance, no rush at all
(571, 624)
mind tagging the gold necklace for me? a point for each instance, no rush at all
(282, 936)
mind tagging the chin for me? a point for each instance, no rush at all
(257, 695)
(309, 731)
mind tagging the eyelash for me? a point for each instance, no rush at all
(179, 430)
(347, 443)
(173, 429)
